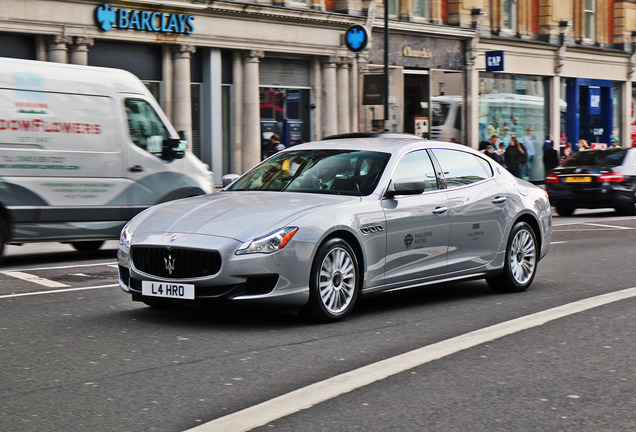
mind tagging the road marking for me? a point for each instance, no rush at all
(57, 291)
(33, 278)
(609, 226)
(67, 267)
(290, 403)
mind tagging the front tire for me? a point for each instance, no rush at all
(522, 257)
(334, 282)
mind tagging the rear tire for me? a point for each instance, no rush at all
(87, 246)
(334, 282)
(565, 210)
(520, 266)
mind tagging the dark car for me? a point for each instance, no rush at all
(594, 179)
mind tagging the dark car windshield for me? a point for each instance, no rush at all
(605, 158)
(342, 172)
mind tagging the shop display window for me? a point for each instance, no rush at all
(515, 105)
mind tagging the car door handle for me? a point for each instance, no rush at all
(136, 168)
(499, 200)
(440, 210)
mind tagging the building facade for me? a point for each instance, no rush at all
(229, 74)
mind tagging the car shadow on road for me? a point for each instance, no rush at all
(241, 317)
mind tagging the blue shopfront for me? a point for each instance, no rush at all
(590, 111)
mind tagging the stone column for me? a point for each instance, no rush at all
(344, 106)
(181, 94)
(237, 113)
(79, 50)
(58, 48)
(316, 99)
(251, 109)
(166, 82)
(329, 98)
(354, 93)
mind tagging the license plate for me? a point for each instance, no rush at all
(167, 290)
(578, 179)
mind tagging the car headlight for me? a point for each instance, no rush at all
(268, 243)
(125, 237)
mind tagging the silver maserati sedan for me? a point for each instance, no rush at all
(319, 225)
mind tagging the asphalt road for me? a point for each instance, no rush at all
(78, 355)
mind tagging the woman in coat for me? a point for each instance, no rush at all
(515, 156)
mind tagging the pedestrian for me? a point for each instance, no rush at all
(614, 141)
(492, 153)
(501, 151)
(550, 156)
(529, 143)
(567, 152)
(515, 156)
(583, 145)
(272, 146)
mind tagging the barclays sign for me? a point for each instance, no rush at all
(158, 22)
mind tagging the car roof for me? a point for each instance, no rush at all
(381, 142)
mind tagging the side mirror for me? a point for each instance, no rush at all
(173, 148)
(405, 187)
(228, 179)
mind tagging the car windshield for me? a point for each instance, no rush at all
(342, 172)
(605, 158)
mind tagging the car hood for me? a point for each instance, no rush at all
(237, 215)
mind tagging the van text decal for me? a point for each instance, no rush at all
(39, 125)
(159, 22)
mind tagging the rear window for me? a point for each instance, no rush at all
(606, 158)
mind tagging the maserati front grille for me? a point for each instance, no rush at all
(175, 263)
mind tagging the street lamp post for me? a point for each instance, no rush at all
(386, 65)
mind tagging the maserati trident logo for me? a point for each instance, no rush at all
(169, 263)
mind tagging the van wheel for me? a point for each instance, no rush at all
(4, 235)
(88, 246)
(565, 210)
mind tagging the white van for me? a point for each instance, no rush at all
(83, 150)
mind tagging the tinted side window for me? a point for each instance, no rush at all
(460, 168)
(416, 165)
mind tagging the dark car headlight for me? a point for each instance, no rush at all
(268, 243)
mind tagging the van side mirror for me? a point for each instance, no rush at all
(228, 179)
(405, 187)
(173, 148)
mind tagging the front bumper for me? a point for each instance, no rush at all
(280, 278)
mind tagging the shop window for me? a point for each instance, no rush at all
(195, 94)
(515, 105)
(154, 87)
(421, 8)
(226, 95)
(588, 16)
(510, 15)
(393, 6)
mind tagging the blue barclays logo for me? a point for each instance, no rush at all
(157, 22)
(105, 17)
